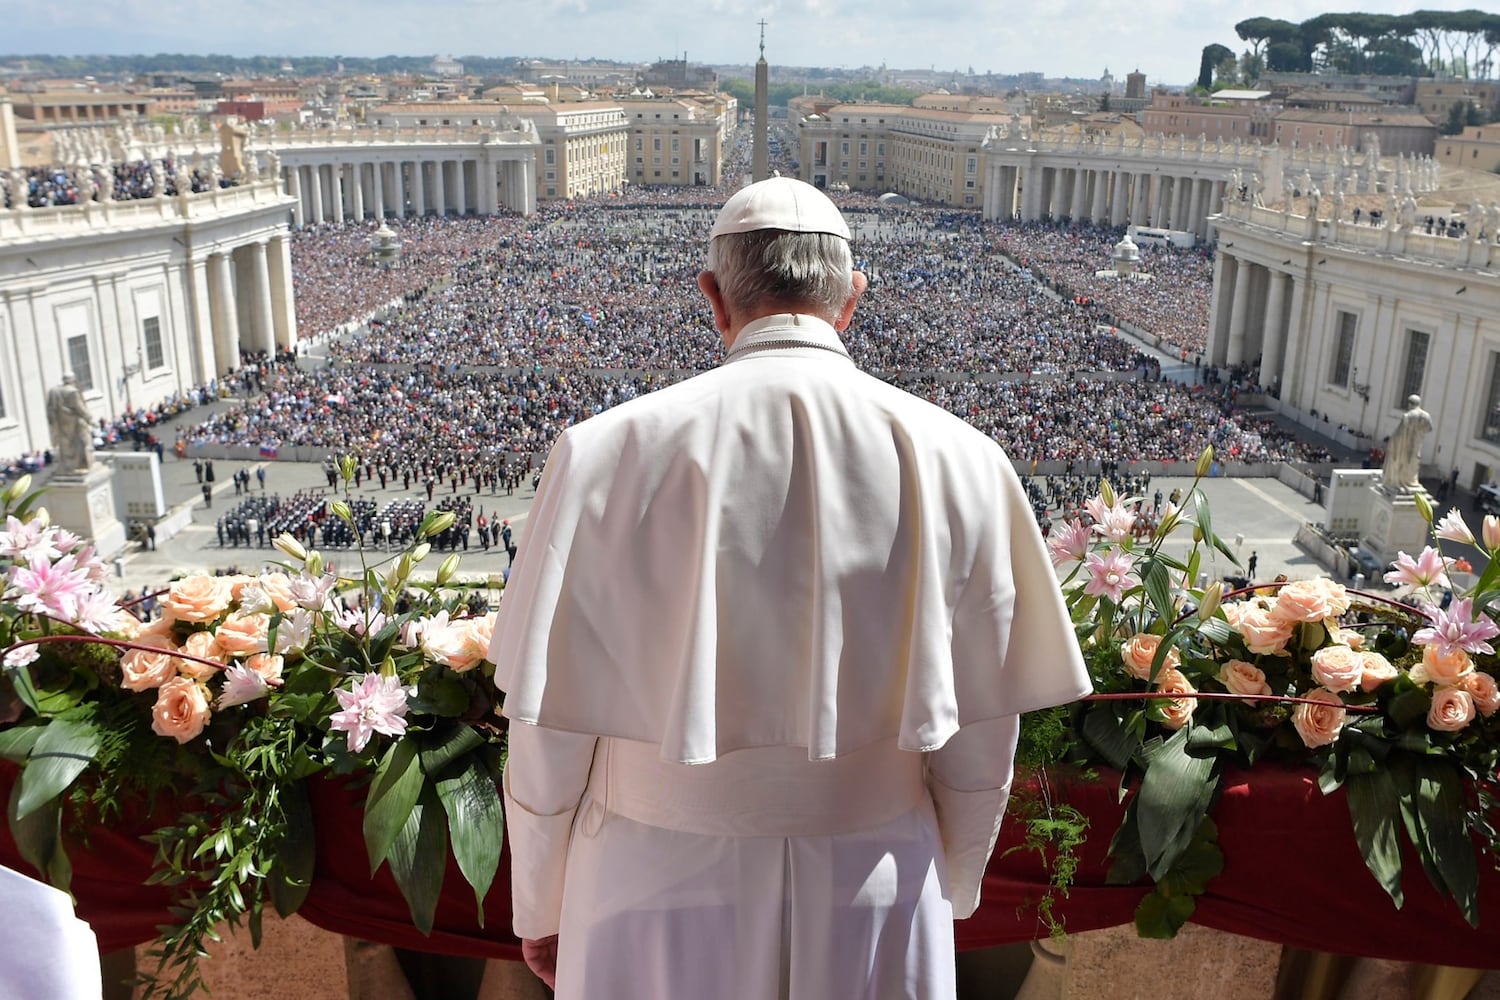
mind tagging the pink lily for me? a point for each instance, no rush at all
(1108, 575)
(1457, 628)
(1424, 571)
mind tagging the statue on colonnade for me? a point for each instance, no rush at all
(1403, 453)
(70, 425)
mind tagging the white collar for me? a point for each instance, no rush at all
(787, 330)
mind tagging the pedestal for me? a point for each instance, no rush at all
(84, 503)
(1395, 525)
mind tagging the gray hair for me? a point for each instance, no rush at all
(813, 270)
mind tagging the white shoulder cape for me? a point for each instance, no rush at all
(783, 551)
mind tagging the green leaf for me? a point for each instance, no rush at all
(1109, 735)
(38, 837)
(1374, 807)
(1159, 589)
(476, 825)
(1175, 795)
(439, 695)
(1441, 811)
(1217, 631)
(418, 857)
(1128, 864)
(16, 744)
(446, 744)
(394, 793)
(1160, 918)
(61, 753)
(296, 852)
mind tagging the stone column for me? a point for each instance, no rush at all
(200, 308)
(1079, 201)
(294, 188)
(401, 187)
(283, 307)
(1119, 207)
(489, 181)
(439, 188)
(1140, 209)
(336, 191)
(419, 190)
(378, 188)
(225, 313)
(1101, 194)
(357, 190)
(1238, 312)
(1273, 338)
(1182, 197)
(1293, 360)
(315, 192)
(460, 189)
(263, 329)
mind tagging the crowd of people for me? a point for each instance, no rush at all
(40, 187)
(495, 334)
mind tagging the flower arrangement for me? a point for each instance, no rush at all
(1394, 703)
(244, 688)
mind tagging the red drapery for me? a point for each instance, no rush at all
(1292, 875)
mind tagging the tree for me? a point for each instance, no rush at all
(1287, 57)
(1104, 102)
(1213, 56)
(1263, 32)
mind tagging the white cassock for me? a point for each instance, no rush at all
(763, 649)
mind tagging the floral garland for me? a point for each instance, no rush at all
(1394, 703)
(244, 688)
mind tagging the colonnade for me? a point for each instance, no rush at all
(1255, 316)
(242, 300)
(1145, 195)
(432, 182)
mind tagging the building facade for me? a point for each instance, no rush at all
(140, 299)
(675, 141)
(1345, 322)
(923, 153)
(1478, 148)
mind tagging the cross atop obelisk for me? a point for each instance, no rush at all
(762, 23)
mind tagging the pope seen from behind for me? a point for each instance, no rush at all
(763, 650)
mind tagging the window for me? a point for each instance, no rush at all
(1415, 371)
(151, 333)
(78, 359)
(1490, 427)
(551, 156)
(656, 143)
(1343, 350)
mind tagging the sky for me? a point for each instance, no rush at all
(1079, 38)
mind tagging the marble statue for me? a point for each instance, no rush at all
(83, 179)
(158, 180)
(16, 179)
(1403, 453)
(70, 425)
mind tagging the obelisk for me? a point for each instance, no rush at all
(760, 157)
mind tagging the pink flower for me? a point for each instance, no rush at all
(1456, 628)
(377, 704)
(1070, 543)
(1108, 575)
(1239, 677)
(361, 622)
(1176, 712)
(1338, 668)
(1490, 530)
(241, 685)
(1113, 522)
(1424, 571)
(20, 656)
(28, 540)
(50, 588)
(94, 610)
(1452, 528)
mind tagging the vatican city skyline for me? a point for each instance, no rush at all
(1073, 39)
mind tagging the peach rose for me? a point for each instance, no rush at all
(1310, 601)
(181, 709)
(1176, 712)
(241, 635)
(1485, 691)
(236, 582)
(1377, 670)
(142, 671)
(124, 624)
(1263, 632)
(481, 630)
(1138, 652)
(1338, 668)
(1239, 677)
(196, 599)
(199, 644)
(1319, 725)
(269, 667)
(1353, 638)
(449, 645)
(1442, 669)
(160, 629)
(1452, 709)
(278, 587)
